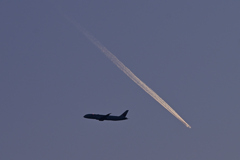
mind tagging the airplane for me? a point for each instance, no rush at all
(107, 117)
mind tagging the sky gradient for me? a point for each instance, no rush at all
(52, 75)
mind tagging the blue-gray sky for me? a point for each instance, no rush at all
(51, 75)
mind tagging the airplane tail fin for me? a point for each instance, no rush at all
(124, 114)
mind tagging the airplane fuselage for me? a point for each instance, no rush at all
(99, 117)
(107, 117)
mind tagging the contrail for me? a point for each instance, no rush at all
(127, 71)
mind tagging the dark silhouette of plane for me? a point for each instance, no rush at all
(107, 117)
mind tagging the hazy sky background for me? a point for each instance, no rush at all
(188, 52)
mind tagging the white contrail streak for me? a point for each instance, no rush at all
(127, 71)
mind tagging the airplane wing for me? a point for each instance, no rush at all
(104, 117)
